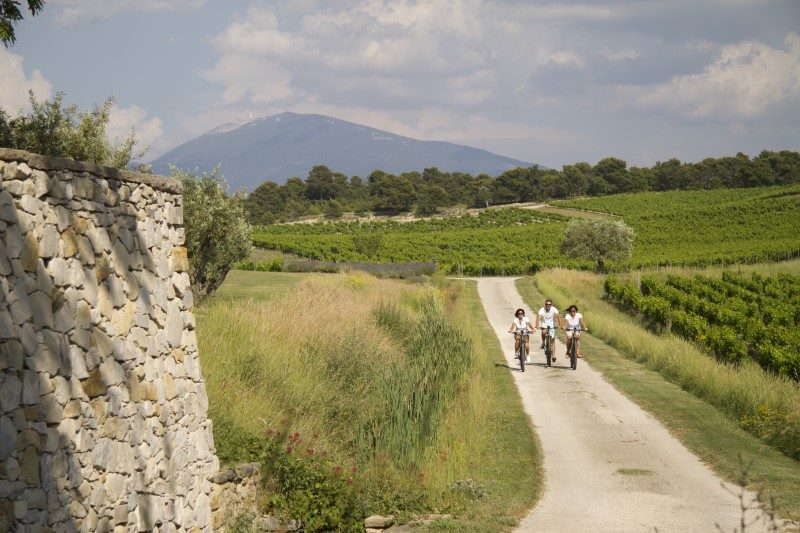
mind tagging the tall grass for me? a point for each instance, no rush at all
(378, 373)
(764, 404)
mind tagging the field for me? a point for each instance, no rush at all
(705, 227)
(734, 317)
(689, 228)
(342, 362)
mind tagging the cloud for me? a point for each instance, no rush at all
(747, 80)
(15, 83)
(72, 12)
(626, 54)
(149, 132)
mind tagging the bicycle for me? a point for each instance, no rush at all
(521, 353)
(573, 348)
(548, 347)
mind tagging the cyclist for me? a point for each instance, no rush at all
(548, 316)
(574, 320)
(521, 323)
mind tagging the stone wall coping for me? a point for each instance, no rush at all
(44, 162)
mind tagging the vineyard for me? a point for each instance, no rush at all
(692, 228)
(734, 317)
(497, 241)
(699, 228)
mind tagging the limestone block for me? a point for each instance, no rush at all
(41, 309)
(57, 268)
(77, 363)
(50, 243)
(29, 254)
(10, 391)
(5, 264)
(6, 324)
(53, 412)
(12, 239)
(29, 466)
(111, 372)
(102, 342)
(61, 389)
(29, 204)
(82, 187)
(23, 171)
(180, 259)
(30, 387)
(8, 210)
(69, 241)
(20, 305)
(85, 250)
(43, 281)
(174, 325)
(12, 355)
(44, 359)
(93, 386)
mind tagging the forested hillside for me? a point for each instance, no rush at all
(331, 193)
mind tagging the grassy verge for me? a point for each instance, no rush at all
(701, 401)
(392, 381)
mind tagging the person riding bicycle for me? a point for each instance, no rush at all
(548, 316)
(521, 323)
(574, 320)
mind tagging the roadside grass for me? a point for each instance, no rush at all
(395, 379)
(703, 402)
(487, 432)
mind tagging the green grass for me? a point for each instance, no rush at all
(241, 285)
(695, 397)
(395, 378)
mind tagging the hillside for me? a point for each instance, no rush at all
(290, 144)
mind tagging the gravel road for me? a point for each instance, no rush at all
(609, 466)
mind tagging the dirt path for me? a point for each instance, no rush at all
(609, 466)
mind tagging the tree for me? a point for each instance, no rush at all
(10, 14)
(393, 194)
(264, 204)
(217, 234)
(323, 184)
(55, 130)
(598, 239)
(430, 199)
(333, 209)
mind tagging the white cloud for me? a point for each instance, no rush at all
(626, 54)
(746, 80)
(15, 83)
(71, 12)
(149, 131)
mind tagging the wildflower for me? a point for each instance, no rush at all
(289, 449)
(310, 452)
(294, 437)
(349, 481)
(270, 433)
(354, 469)
(337, 469)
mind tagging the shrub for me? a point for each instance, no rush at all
(55, 130)
(217, 234)
(600, 240)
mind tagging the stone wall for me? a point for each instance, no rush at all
(103, 422)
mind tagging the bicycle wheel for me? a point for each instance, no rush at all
(548, 351)
(573, 353)
(522, 355)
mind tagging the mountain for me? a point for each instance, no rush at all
(289, 144)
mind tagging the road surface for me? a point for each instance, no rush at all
(609, 466)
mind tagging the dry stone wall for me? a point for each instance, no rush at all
(103, 423)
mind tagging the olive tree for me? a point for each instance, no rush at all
(217, 232)
(600, 240)
(52, 128)
(11, 13)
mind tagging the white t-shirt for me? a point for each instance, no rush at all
(548, 318)
(525, 323)
(573, 321)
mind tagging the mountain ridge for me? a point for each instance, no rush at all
(288, 144)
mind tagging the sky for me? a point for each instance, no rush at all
(549, 82)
